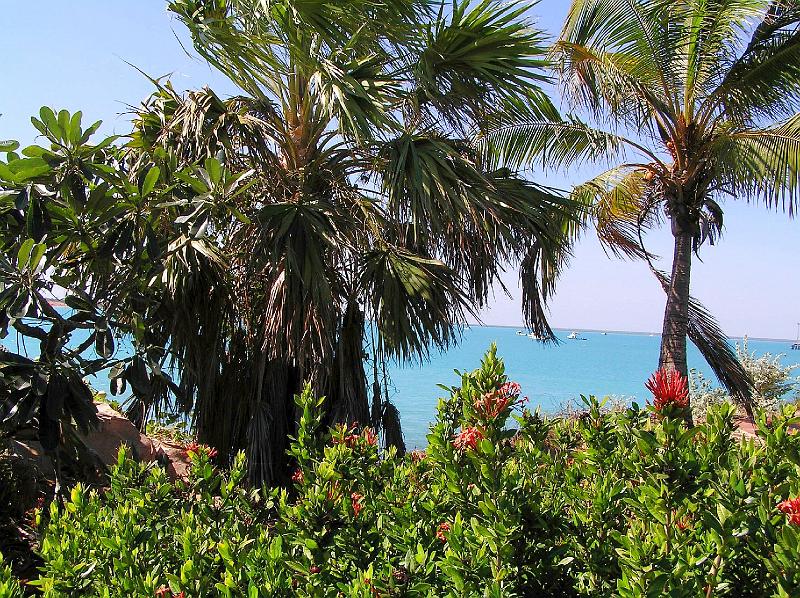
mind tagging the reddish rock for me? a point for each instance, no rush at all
(113, 431)
(172, 455)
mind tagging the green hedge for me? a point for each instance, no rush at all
(628, 503)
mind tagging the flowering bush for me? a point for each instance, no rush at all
(773, 383)
(502, 503)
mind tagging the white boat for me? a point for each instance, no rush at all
(573, 335)
(604, 333)
(520, 332)
(535, 337)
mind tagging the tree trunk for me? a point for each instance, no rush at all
(676, 314)
(349, 403)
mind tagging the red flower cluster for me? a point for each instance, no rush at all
(417, 455)
(492, 404)
(468, 438)
(791, 507)
(442, 530)
(314, 569)
(682, 523)
(669, 388)
(510, 389)
(356, 500)
(194, 448)
(351, 438)
(298, 476)
(166, 592)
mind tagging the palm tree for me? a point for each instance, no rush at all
(702, 99)
(342, 199)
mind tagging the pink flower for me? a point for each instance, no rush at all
(492, 404)
(356, 500)
(194, 448)
(314, 569)
(369, 436)
(442, 530)
(669, 388)
(417, 456)
(349, 437)
(791, 507)
(468, 438)
(297, 476)
(510, 389)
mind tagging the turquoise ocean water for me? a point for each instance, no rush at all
(616, 364)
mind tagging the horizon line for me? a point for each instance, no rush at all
(639, 332)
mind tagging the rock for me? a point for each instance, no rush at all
(172, 456)
(113, 431)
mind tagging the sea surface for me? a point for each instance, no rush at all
(614, 364)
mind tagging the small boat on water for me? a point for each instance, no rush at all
(604, 333)
(574, 336)
(521, 333)
(535, 336)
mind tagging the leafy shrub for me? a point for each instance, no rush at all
(9, 587)
(773, 383)
(629, 502)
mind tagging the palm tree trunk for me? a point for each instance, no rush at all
(676, 314)
(349, 401)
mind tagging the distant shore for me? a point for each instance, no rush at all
(632, 332)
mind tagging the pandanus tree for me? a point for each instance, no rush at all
(345, 201)
(702, 100)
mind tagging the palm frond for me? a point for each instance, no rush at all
(764, 82)
(357, 93)
(232, 42)
(620, 47)
(762, 164)
(514, 142)
(618, 204)
(710, 32)
(416, 302)
(476, 56)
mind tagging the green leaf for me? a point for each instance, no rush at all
(64, 123)
(214, 169)
(150, 181)
(37, 264)
(75, 128)
(50, 122)
(9, 145)
(24, 254)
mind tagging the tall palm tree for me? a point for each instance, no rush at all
(702, 99)
(343, 199)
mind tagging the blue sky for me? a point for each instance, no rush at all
(73, 55)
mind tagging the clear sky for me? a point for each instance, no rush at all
(73, 55)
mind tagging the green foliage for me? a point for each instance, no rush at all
(773, 383)
(626, 502)
(9, 587)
